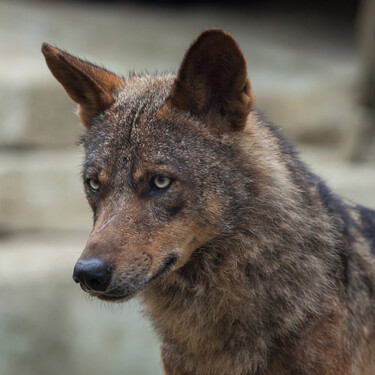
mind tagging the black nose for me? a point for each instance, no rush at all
(92, 273)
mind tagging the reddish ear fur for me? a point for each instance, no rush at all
(88, 85)
(213, 75)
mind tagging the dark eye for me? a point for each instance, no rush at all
(94, 185)
(161, 182)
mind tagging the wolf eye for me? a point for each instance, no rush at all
(161, 182)
(94, 185)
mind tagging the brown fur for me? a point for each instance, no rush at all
(89, 86)
(247, 264)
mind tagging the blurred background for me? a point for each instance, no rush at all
(312, 68)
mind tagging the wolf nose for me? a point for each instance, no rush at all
(92, 273)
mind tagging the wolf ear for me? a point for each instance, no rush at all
(88, 85)
(213, 76)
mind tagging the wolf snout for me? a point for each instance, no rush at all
(93, 274)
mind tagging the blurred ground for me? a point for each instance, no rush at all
(304, 72)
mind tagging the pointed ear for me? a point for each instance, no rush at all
(213, 76)
(88, 85)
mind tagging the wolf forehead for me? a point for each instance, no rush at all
(139, 97)
(116, 130)
(133, 129)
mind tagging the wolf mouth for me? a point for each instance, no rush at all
(109, 298)
(167, 265)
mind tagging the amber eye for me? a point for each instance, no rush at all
(94, 184)
(162, 182)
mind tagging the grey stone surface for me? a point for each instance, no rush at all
(42, 190)
(37, 116)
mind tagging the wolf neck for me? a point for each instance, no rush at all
(249, 288)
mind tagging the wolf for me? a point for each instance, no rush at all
(244, 260)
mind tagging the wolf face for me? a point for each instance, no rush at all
(157, 161)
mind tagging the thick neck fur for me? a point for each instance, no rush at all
(254, 284)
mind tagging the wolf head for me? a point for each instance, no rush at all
(161, 170)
